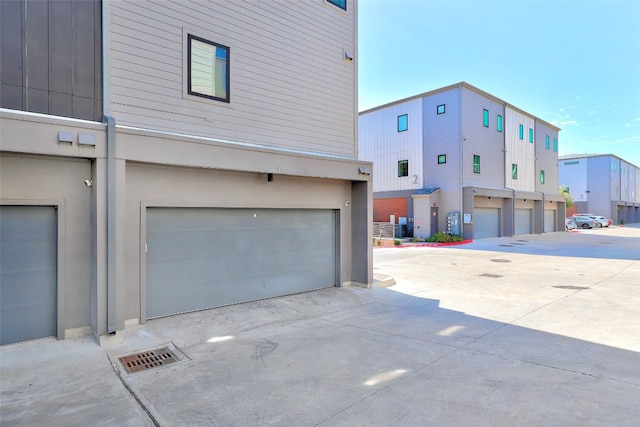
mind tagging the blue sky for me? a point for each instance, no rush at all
(575, 64)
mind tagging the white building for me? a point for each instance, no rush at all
(460, 154)
(602, 184)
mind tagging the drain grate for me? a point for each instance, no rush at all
(500, 260)
(575, 288)
(147, 360)
(493, 276)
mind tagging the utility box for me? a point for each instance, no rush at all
(453, 223)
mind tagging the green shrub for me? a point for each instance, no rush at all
(396, 242)
(442, 237)
(417, 239)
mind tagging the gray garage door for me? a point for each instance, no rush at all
(201, 257)
(549, 221)
(523, 221)
(28, 272)
(486, 223)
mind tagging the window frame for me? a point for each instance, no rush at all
(555, 145)
(227, 68)
(441, 111)
(499, 123)
(542, 177)
(403, 162)
(531, 135)
(476, 165)
(406, 124)
(485, 117)
(514, 171)
(442, 157)
(521, 132)
(547, 142)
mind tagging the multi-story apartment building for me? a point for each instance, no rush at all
(159, 157)
(602, 184)
(460, 160)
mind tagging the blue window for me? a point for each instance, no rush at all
(208, 69)
(521, 132)
(547, 144)
(485, 118)
(403, 123)
(555, 145)
(531, 135)
(342, 4)
(499, 123)
(440, 109)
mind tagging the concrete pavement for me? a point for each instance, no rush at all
(533, 330)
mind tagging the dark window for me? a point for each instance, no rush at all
(208, 69)
(476, 163)
(342, 4)
(442, 159)
(403, 123)
(403, 168)
(440, 109)
(499, 123)
(485, 118)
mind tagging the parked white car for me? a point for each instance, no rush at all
(569, 224)
(600, 221)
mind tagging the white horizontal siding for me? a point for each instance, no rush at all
(519, 151)
(485, 142)
(381, 143)
(290, 86)
(572, 173)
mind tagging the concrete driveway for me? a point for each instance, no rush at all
(533, 330)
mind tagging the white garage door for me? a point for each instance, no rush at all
(201, 257)
(549, 221)
(28, 273)
(523, 221)
(486, 223)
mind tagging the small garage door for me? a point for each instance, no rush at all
(28, 273)
(549, 221)
(523, 221)
(486, 223)
(200, 258)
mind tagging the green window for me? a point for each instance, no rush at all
(485, 118)
(521, 132)
(514, 171)
(541, 177)
(208, 71)
(555, 145)
(403, 168)
(499, 123)
(342, 4)
(546, 142)
(403, 123)
(442, 159)
(476, 163)
(531, 135)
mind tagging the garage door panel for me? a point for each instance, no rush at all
(200, 257)
(549, 221)
(486, 223)
(523, 221)
(28, 273)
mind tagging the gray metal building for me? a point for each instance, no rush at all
(461, 154)
(155, 159)
(602, 184)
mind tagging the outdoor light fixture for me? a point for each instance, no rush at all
(88, 182)
(348, 56)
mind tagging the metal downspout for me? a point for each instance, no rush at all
(461, 161)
